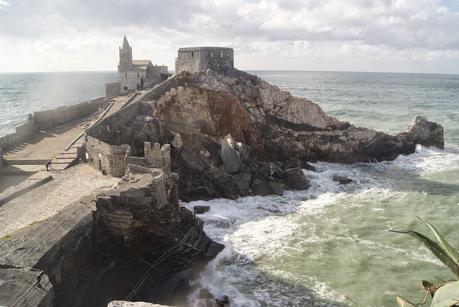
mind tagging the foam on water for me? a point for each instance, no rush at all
(266, 238)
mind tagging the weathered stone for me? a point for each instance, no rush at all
(342, 179)
(259, 187)
(214, 149)
(276, 187)
(224, 184)
(243, 183)
(296, 180)
(177, 142)
(292, 162)
(200, 209)
(230, 156)
(308, 166)
(213, 250)
(134, 304)
(205, 294)
(425, 133)
(192, 161)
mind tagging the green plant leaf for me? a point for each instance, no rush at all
(447, 295)
(436, 249)
(450, 251)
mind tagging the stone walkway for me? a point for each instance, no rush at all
(46, 200)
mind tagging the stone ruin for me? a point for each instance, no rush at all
(198, 59)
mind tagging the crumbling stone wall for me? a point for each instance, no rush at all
(202, 58)
(109, 159)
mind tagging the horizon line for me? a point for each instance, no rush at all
(246, 70)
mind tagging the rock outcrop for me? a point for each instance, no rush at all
(276, 125)
(233, 134)
(426, 133)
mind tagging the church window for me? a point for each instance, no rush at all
(138, 75)
(192, 54)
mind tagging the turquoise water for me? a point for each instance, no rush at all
(25, 93)
(317, 247)
(331, 245)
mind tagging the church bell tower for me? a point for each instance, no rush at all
(125, 57)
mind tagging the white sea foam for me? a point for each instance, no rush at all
(428, 160)
(256, 229)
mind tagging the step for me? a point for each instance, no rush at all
(25, 161)
(62, 161)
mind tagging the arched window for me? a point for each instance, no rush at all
(192, 54)
(138, 75)
(125, 76)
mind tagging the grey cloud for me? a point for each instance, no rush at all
(417, 24)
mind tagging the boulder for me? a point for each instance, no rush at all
(243, 183)
(342, 179)
(177, 142)
(224, 184)
(425, 133)
(200, 209)
(214, 149)
(276, 187)
(213, 250)
(259, 187)
(231, 157)
(296, 180)
(192, 161)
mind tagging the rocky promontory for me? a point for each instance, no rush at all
(233, 134)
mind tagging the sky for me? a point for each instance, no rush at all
(420, 36)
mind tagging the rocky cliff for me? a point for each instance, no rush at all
(236, 134)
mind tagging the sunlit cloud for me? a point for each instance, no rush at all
(395, 35)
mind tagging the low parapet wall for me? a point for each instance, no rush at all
(50, 118)
(64, 114)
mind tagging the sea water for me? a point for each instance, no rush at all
(330, 245)
(24, 93)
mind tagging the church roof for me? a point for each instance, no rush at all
(141, 62)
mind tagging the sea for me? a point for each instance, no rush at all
(329, 245)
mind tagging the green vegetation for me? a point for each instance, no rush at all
(446, 294)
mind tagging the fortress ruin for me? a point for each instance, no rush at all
(198, 59)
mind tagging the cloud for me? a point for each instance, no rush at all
(3, 3)
(425, 30)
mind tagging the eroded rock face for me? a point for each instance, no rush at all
(276, 125)
(425, 133)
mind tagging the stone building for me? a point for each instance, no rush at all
(132, 72)
(197, 59)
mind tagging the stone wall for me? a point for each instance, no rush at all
(64, 114)
(203, 58)
(23, 133)
(109, 159)
(50, 118)
(108, 130)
